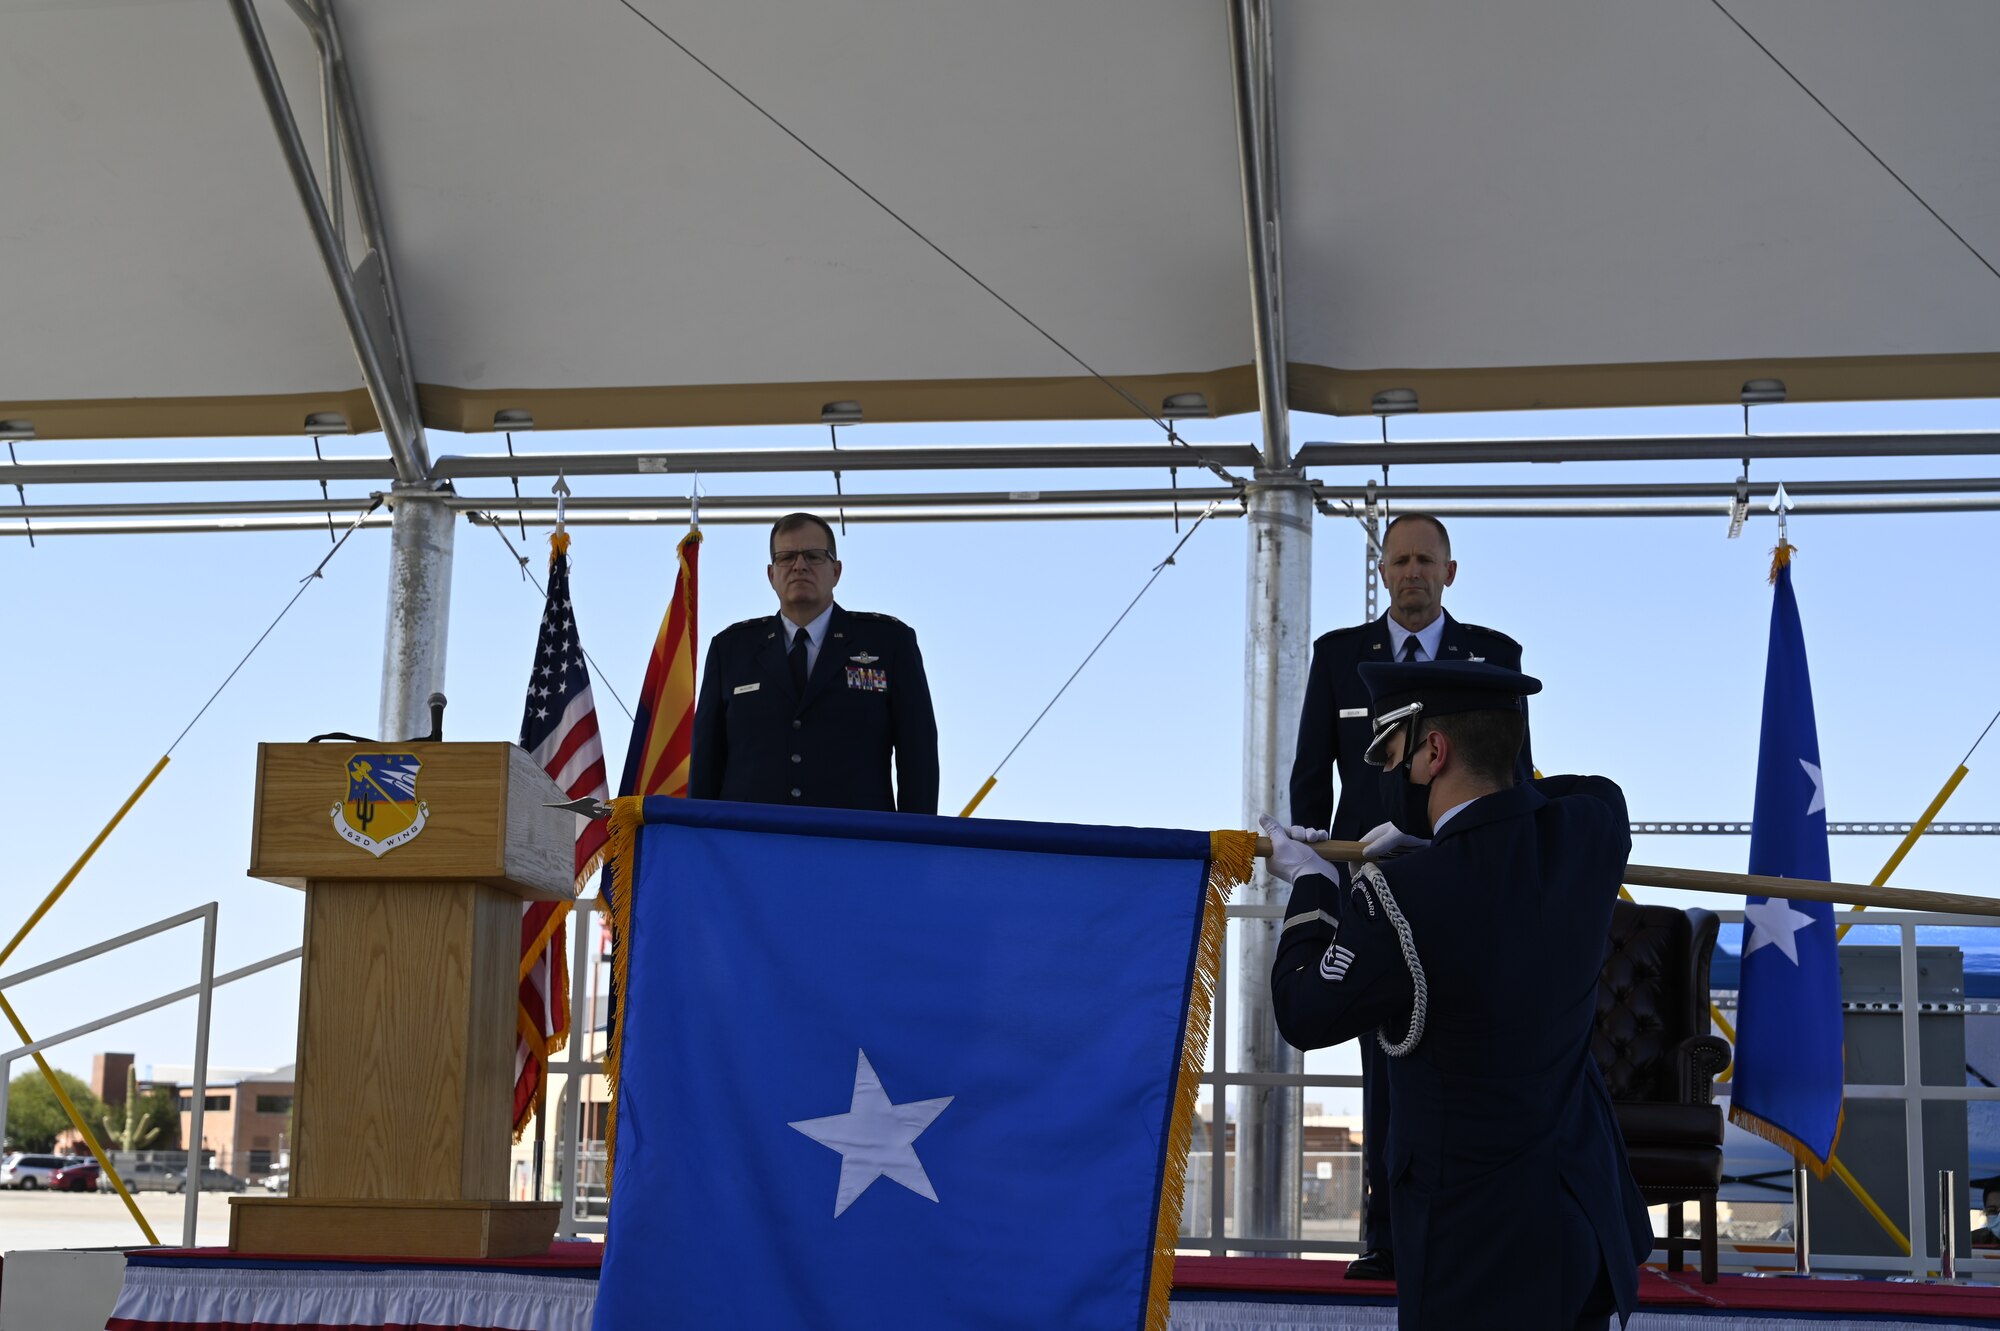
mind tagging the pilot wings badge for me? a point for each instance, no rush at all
(381, 811)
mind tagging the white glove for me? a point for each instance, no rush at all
(1309, 835)
(1388, 841)
(1290, 859)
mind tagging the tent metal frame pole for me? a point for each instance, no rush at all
(368, 206)
(372, 331)
(1279, 505)
(1647, 448)
(1253, 78)
(419, 599)
(1033, 457)
(245, 517)
(421, 537)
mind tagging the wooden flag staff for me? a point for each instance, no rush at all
(1747, 884)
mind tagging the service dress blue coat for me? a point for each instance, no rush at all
(1511, 1201)
(866, 705)
(1334, 730)
(1334, 727)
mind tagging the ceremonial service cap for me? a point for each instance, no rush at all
(1400, 691)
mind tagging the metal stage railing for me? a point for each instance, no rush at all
(203, 991)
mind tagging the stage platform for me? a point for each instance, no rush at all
(195, 1289)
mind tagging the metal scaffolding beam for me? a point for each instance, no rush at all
(251, 515)
(1683, 499)
(1658, 448)
(1279, 505)
(364, 292)
(419, 599)
(1092, 457)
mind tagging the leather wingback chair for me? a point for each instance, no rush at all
(1659, 1060)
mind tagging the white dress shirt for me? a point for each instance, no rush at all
(815, 635)
(1429, 638)
(1445, 817)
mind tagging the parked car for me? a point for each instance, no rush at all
(278, 1182)
(22, 1170)
(145, 1176)
(216, 1180)
(80, 1177)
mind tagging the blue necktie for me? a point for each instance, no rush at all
(800, 640)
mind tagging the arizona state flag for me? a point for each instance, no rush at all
(656, 760)
(1790, 1060)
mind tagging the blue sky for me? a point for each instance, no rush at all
(1649, 635)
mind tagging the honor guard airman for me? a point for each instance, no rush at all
(1472, 963)
(813, 705)
(1416, 566)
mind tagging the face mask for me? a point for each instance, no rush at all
(1407, 804)
(1993, 1224)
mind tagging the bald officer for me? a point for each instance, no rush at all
(1473, 964)
(813, 706)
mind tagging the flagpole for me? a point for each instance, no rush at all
(1744, 884)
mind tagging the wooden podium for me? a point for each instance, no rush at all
(401, 1115)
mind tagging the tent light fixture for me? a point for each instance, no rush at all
(513, 418)
(1394, 402)
(12, 430)
(326, 422)
(841, 413)
(1184, 406)
(1760, 391)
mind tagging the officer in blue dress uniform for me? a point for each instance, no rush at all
(1473, 963)
(1416, 567)
(812, 706)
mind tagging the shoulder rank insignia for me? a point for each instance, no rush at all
(1333, 965)
(381, 811)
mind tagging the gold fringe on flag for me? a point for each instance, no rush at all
(1779, 558)
(627, 817)
(533, 953)
(1798, 1150)
(590, 866)
(1231, 856)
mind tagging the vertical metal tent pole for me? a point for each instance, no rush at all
(413, 648)
(413, 644)
(1269, 1118)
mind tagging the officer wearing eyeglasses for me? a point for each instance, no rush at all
(812, 706)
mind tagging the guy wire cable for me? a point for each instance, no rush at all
(305, 582)
(938, 249)
(1158, 569)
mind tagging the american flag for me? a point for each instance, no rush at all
(559, 731)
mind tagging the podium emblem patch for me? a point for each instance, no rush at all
(381, 811)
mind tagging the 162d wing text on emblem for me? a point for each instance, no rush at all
(381, 811)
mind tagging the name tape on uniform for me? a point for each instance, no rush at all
(1349, 713)
(749, 688)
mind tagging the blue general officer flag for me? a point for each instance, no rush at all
(882, 1070)
(1789, 1054)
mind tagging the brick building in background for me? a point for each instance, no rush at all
(246, 1125)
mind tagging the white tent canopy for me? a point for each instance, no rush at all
(1529, 203)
